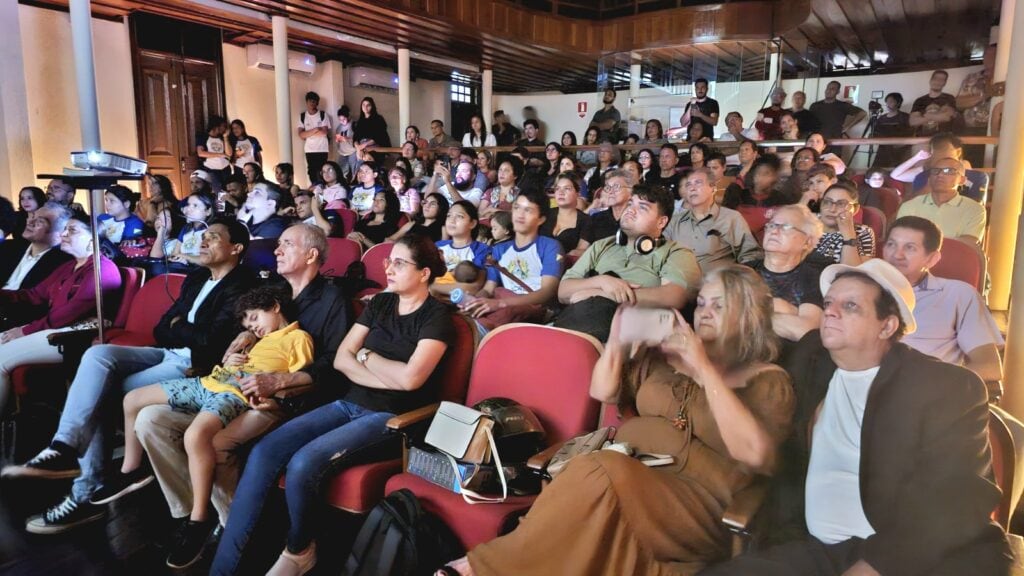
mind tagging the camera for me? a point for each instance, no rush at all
(874, 106)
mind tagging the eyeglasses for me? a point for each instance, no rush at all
(398, 263)
(840, 204)
(947, 171)
(618, 187)
(782, 227)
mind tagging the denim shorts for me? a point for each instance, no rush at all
(188, 395)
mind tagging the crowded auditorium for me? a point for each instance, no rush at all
(511, 287)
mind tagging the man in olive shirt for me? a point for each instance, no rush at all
(617, 270)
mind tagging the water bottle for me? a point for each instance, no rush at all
(459, 297)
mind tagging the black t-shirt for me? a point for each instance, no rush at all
(508, 137)
(832, 115)
(432, 231)
(569, 238)
(799, 285)
(922, 104)
(736, 196)
(378, 233)
(602, 225)
(671, 183)
(272, 227)
(708, 107)
(395, 337)
(806, 122)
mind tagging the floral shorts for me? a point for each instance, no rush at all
(188, 395)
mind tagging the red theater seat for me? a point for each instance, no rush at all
(373, 259)
(961, 261)
(340, 253)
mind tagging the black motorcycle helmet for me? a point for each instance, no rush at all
(518, 433)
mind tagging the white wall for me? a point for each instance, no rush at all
(557, 111)
(50, 88)
(429, 100)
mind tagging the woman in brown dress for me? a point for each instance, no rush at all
(707, 396)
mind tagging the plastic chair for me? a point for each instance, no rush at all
(360, 487)
(340, 253)
(558, 396)
(374, 261)
(1004, 459)
(961, 261)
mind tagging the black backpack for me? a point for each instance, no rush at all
(399, 538)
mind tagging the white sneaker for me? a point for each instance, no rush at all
(289, 564)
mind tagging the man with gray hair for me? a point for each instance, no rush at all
(321, 310)
(618, 187)
(26, 261)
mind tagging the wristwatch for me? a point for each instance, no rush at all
(850, 242)
(363, 355)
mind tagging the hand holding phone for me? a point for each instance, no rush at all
(649, 326)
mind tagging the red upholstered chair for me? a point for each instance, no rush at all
(961, 261)
(1003, 465)
(890, 200)
(374, 261)
(359, 488)
(340, 253)
(756, 218)
(873, 218)
(348, 220)
(554, 383)
(152, 301)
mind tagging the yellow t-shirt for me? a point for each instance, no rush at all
(289, 349)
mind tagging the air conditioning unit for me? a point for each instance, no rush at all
(262, 56)
(373, 79)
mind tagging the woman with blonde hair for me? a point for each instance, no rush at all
(709, 400)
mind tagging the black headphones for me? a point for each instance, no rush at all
(643, 245)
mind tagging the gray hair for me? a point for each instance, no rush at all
(313, 238)
(620, 173)
(705, 171)
(808, 223)
(61, 215)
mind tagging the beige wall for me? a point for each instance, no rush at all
(50, 87)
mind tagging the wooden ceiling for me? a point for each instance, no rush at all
(532, 46)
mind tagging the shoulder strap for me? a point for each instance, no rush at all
(322, 115)
(492, 261)
(361, 546)
(302, 117)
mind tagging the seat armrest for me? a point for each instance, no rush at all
(745, 505)
(402, 421)
(539, 461)
(82, 337)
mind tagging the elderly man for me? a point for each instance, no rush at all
(191, 335)
(321, 310)
(716, 235)
(637, 266)
(260, 211)
(893, 451)
(27, 261)
(768, 121)
(956, 215)
(618, 187)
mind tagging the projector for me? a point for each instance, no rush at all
(100, 160)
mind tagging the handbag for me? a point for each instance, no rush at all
(464, 434)
(577, 446)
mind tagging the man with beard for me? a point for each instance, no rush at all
(701, 109)
(607, 119)
(463, 187)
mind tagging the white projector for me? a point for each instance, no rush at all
(108, 161)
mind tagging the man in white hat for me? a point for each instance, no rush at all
(890, 449)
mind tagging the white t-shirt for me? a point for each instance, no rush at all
(215, 145)
(317, 142)
(362, 198)
(471, 140)
(28, 261)
(473, 194)
(833, 508)
(244, 152)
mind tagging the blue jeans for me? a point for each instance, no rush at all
(107, 371)
(306, 449)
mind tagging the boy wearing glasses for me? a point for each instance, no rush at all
(956, 215)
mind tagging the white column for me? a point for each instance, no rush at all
(282, 90)
(404, 96)
(85, 73)
(16, 165)
(487, 96)
(1006, 235)
(635, 69)
(773, 66)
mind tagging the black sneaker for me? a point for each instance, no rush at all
(121, 485)
(64, 516)
(187, 548)
(52, 463)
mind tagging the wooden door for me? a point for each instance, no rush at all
(176, 98)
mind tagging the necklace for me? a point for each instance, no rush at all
(682, 419)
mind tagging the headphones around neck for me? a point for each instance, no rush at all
(643, 245)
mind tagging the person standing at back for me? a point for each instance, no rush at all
(314, 126)
(701, 109)
(836, 116)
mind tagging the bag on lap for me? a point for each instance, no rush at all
(399, 538)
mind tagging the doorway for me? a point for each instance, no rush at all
(179, 87)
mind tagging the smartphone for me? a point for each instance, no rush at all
(646, 325)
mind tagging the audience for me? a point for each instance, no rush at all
(792, 271)
(607, 160)
(408, 196)
(893, 459)
(370, 130)
(214, 150)
(654, 133)
(391, 363)
(504, 192)
(505, 134)
(485, 169)
(531, 137)
(380, 223)
(438, 138)
(820, 177)
(817, 141)
(843, 240)
(118, 222)
(956, 215)
(429, 222)
(313, 128)
(260, 212)
(523, 272)
(636, 266)
(477, 135)
(245, 149)
(708, 397)
(715, 234)
(343, 137)
(191, 335)
(29, 259)
(162, 205)
(618, 188)
(62, 192)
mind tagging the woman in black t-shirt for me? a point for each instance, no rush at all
(392, 360)
(381, 222)
(429, 222)
(566, 223)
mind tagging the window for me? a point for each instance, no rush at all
(462, 89)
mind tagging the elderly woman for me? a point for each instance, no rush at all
(566, 222)
(844, 241)
(504, 192)
(708, 398)
(792, 271)
(64, 298)
(391, 358)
